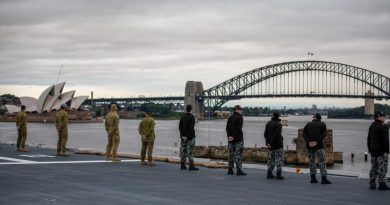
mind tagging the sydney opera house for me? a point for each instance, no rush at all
(50, 100)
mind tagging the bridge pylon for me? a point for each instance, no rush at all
(369, 108)
(194, 96)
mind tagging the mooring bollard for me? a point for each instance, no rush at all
(352, 156)
(175, 144)
(365, 156)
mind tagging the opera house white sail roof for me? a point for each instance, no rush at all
(50, 100)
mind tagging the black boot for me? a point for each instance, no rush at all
(279, 175)
(192, 167)
(240, 172)
(325, 180)
(230, 171)
(372, 186)
(383, 186)
(270, 175)
(183, 166)
(313, 179)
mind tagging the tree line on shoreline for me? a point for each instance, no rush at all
(166, 111)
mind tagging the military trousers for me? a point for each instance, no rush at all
(112, 144)
(312, 154)
(378, 169)
(147, 147)
(275, 157)
(187, 150)
(22, 136)
(62, 140)
(236, 150)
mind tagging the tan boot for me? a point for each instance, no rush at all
(107, 157)
(150, 163)
(143, 163)
(65, 155)
(24, 149)
(114, 159)
(18, 149)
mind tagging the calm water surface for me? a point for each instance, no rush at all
(349, 136)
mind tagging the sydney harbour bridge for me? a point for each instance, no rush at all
(289, 79)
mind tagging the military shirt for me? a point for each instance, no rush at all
(146, 129)
(112, 122)
(234, 127)
(62, 119)
(21, 120)
(378, 139)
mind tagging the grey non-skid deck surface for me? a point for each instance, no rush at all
(85, 182)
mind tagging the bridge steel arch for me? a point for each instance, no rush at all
(218, 95)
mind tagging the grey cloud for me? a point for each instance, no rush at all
(129, 43)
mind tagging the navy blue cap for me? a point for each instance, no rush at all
(275, 114)
(317, 116)
(379, 114)
(237, 107)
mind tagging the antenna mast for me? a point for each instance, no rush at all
(59, 74)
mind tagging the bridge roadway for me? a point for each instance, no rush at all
(38, 177)
(135, 99)
(237, 97)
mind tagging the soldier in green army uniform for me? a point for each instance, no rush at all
(21, 125)
(112, 129)
(146, 130)
(62, 130)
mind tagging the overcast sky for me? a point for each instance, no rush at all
(131, 48)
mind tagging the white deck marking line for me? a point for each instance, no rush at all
(66, 162)
(36, 155)
(15, 160)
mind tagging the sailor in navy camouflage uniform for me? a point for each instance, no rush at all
(314, 134)
(274, 141)
(187, 136)
(235, 140)
(378, 147)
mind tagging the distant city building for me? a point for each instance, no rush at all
(50, 100)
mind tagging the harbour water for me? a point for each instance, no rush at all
(349, 136)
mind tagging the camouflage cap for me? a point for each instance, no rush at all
(63, 106)
(114, 107)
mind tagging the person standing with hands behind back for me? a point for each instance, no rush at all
(314, 134)
(62, 130)
(21, 125)
(235, 140)
(274, 141)
(378, 147)
(146, 130)
(187, 136)
(113, 139)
